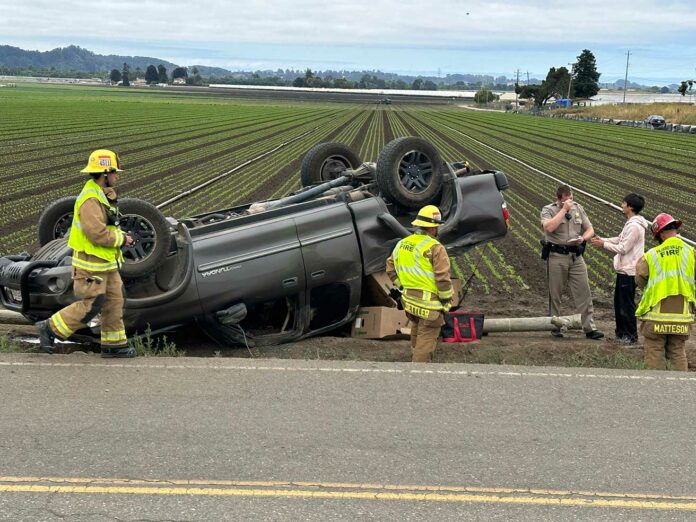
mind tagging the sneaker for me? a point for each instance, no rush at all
(118, 351)
(594, 334)
(46, 337)
(557, 333)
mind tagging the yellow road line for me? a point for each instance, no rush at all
(343, 491)
(353, 495)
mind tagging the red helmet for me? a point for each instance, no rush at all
(661, 221)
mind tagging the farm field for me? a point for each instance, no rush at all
(170, 142)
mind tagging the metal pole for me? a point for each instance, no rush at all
(516, 87)
(628, 54)
(572, 68)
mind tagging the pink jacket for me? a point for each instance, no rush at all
(629, 247)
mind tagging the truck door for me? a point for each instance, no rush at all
(252, 263)
(333, 267)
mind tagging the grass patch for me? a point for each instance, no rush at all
(149, 345)
(598, 358)
(10, 345)
(684, 113)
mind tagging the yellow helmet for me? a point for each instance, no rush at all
(428, 216)
(102, 161)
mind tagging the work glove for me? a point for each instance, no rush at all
(395, 294)
(446, 305)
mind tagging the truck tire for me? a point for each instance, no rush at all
(326, 161)
(409, 172)
(150, 231)
(56, 219)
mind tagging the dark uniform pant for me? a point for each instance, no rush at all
(658, 346)
(569, 270)
(99, 292)
(625, 308)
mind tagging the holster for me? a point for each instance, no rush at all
(545, 249)
(581, 248)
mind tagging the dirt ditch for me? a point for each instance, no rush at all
(527, 349)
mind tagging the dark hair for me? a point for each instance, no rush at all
(671, 226)
(635, 201)
(562, 191)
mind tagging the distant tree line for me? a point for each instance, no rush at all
(154, 75)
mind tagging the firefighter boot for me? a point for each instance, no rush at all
(124, 351)
(46, 337)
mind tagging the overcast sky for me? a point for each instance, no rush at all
(404, 36)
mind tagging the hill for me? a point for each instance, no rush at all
(74, 58)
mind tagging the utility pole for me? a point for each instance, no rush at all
(570, 82)
(517, 84)
(527, 77)
(628, 54)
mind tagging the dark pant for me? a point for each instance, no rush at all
(625, 308)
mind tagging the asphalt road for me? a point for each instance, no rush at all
(229, 439)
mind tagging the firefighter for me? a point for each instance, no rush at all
(666, 310)
(420, 266)
(566, 229)
(96, 242)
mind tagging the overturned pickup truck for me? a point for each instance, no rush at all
(272, 271)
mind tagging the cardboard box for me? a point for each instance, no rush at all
(457, 291)
(380, 322)
(375, 291)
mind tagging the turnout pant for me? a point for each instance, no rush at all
(99, 292)
(625, 308)
(569, 270)
(659, 346)
(424, 335)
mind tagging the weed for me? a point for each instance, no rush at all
(148, 345)
(597, 358)
(9, 345)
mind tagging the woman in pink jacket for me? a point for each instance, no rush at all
(629, 247)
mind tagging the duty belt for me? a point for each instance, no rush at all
(565, 249)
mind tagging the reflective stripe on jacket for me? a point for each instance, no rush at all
(79, 242)
(671, 273)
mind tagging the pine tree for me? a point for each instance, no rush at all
(586, 76)
(125, 75)
(151, 74)
(162, 73)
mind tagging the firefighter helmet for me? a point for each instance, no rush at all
(661, 221)
(102, 161)
(428, 216)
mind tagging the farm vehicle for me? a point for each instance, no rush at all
(272, 271)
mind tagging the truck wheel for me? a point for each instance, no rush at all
(150, 231)
(56, 219)
(326, 161)
(409, 171)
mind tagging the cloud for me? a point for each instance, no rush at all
(406, 35)
(357, 22)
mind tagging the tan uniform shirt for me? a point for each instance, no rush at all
(569, 228)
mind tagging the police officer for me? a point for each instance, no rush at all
(420, 265)
(96, 242)
(667, 307)
(566, 229)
